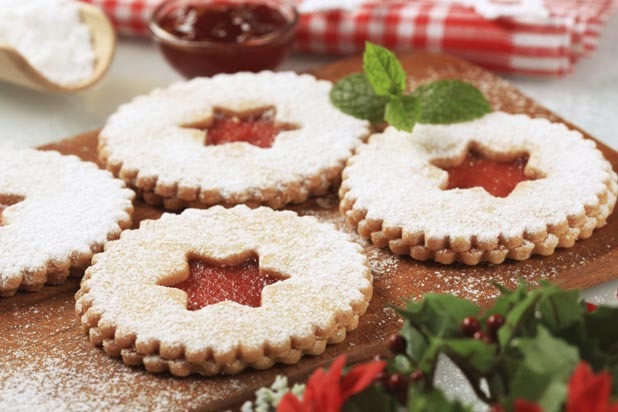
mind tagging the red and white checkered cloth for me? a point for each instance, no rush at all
(540, 46)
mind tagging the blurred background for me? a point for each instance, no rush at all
(562, 53)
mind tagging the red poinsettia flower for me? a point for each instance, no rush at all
(590, 392)
(587, 392)
(327, 391)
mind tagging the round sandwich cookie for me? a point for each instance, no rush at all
(246, 138)
(218, 290)
(502, 186)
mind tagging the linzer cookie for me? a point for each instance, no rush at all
(218, 290)
(503, 186)
(55, 211)
(255, 139)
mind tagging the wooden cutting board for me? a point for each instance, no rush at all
(47, 363)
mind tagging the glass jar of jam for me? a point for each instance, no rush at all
(206, 37)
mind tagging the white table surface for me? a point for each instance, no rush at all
(588, 97)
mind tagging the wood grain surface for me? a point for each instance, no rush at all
(46, 363)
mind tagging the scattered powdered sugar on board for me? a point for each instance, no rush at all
(51, 36)
(109, 383)
(47, 364)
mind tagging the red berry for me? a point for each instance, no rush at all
(482, 336)
(397, 384)
(397, 344)
(418, 375)
(494, 322)
(470, 325)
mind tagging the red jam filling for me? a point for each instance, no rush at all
(257, 127)
(209, 283)
(223, 22)
(497, 178)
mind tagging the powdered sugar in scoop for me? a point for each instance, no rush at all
(51, 36)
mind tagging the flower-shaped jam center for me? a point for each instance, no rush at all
(498, 178)
(209, 283)
(258, 127)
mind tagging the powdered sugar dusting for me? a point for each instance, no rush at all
(146, 138)
(62, 208)
(51, 36)
(327, 283)
(396, 180)
(57, 370)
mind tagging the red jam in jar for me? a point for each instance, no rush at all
(217, 36)
(497, 178)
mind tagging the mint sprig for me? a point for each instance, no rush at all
(450, 101)
(355, 96)
(379, 95)
(384, 71)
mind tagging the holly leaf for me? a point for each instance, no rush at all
(614, 372)
(371, 399)
(383, 70)
(597, 327)
(559, 309)
(450, 101)
(516, 318)
(439, 315)
(433, 400)
(470, 354)
(400, 364)
(545, 368)
(402, 112)
(354, 95)
(416, 344)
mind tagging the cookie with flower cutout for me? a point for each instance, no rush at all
(502, 186)
(218, 290)
(256, 139)
(55, 212)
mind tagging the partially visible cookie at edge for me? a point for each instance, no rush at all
(55, 212)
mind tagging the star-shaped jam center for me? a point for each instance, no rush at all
(498, 178)
(7, 201)
(209, 283)
(258, 127)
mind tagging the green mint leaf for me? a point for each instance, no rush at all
(354, 95)
(403, 112)
(383, 70)
(450, 101)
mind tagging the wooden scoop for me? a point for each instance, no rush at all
(14, 68)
